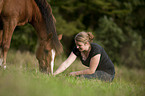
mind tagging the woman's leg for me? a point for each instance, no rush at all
(101, 75)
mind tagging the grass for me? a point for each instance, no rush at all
(22, 78)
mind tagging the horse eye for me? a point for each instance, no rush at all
(46, 51)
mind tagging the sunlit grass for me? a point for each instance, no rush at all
(22, 78)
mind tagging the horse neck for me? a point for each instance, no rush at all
(39, 24)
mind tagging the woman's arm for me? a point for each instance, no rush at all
(66, 63)
(92, 68)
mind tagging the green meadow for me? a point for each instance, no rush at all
(22, 78)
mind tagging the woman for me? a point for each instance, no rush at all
(91, 55)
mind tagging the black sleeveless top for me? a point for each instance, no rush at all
(105, 63)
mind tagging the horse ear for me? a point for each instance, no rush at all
(49, 36)
(60, 37)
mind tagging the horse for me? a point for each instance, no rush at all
(39, 14)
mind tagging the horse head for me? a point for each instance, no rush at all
(46, 55)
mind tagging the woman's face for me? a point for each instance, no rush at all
(81, 46)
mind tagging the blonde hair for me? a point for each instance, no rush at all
(84, 37)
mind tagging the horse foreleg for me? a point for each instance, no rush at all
(1, 31)
(8, 27)
(1, 36)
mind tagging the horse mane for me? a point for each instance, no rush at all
(46, 12)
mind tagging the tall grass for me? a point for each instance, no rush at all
(22, 78)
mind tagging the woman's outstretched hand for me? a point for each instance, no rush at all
(72, 74)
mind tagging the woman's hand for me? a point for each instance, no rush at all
(72, 74)
(54, 74)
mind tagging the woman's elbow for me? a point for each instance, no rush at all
(92, 72)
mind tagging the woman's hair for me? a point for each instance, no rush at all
(84, 37)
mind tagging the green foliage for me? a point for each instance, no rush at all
(64, 27)
(126, 43)
(111, 37)
(24, 38)
(131, 52)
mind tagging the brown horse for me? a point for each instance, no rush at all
(38, 13)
